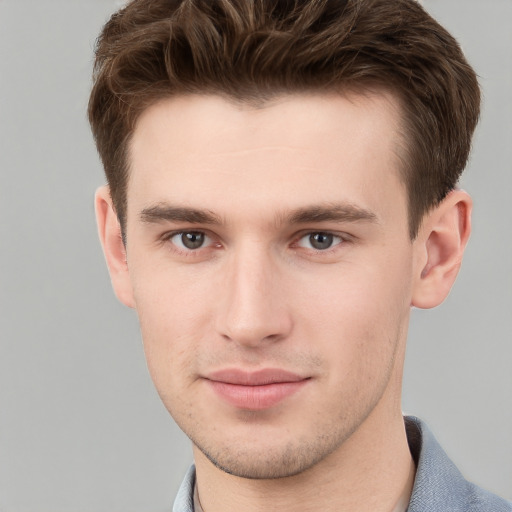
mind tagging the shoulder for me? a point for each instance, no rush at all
(439, 486)
(479, 500)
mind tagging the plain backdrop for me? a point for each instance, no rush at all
(81, 427)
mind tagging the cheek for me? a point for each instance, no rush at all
(173, 314)
(170, 301)
(356, 314)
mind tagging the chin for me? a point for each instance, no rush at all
(259, 462)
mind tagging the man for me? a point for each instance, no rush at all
(282, 189)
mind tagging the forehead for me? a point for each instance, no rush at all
(293, 118)
(291, 150)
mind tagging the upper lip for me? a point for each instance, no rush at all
(261, 377)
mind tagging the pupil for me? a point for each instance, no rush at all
(192, 240)
(321, 240)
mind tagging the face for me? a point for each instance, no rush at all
(270, 265)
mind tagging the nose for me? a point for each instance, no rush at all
(253, 308)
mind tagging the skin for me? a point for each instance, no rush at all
(259, 184)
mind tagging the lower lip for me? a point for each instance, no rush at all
(256, 398)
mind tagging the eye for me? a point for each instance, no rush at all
(190, 240)
(319, 241)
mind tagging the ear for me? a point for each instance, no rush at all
(440, 246)
(109, 231)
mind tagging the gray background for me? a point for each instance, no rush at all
(81, 428)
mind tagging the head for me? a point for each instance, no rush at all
(281, 181)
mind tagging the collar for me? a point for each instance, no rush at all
(439, 486)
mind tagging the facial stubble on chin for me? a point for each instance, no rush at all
(295, 457)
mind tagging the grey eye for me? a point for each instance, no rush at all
(189, 239)
(319, 241)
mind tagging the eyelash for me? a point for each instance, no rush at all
(344, 238)
(167, 238)
(335, 246)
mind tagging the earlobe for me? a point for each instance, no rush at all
(440, 246)
(109, 231)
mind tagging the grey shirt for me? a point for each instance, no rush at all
(438, 486)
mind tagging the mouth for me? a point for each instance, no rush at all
(257, 390)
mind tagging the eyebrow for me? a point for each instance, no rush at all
(337, 212)
(164, 212)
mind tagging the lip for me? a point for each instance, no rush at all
(255, 390)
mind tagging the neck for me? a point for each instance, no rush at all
(372, 470)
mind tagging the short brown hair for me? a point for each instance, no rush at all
(251, 50)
